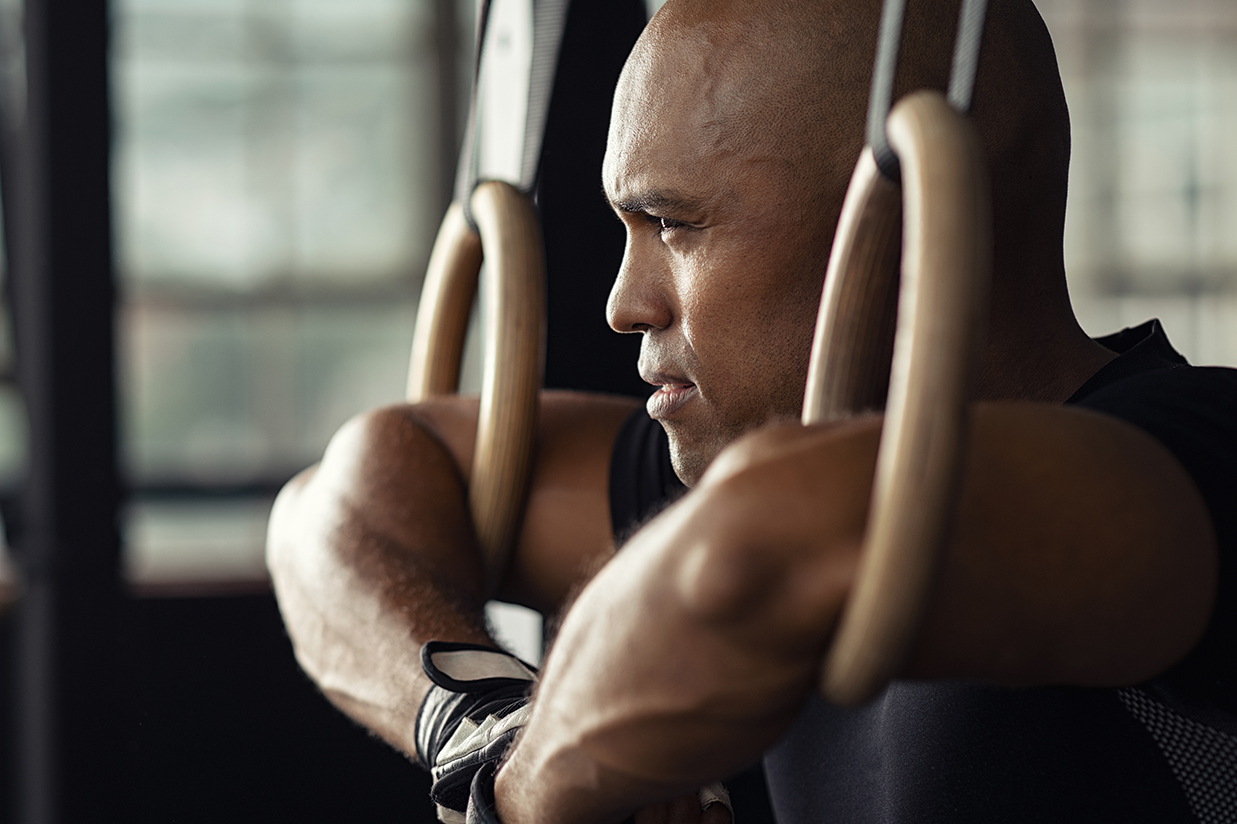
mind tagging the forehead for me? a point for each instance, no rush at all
(658, 126)
(702, 104)
(678, 123)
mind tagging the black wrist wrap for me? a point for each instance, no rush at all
(479, 702)
(481, 807)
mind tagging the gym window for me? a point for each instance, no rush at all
(279, 172)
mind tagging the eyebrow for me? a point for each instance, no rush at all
(656, 200)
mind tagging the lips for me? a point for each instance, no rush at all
(672, 394)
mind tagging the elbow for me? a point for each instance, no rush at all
(1097, 569)
(1175, 585)
(282, 522)
(1155, 612)
(757, 559)
(1178, 605)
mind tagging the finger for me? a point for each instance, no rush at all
(682, 810)
(714, 798)
(716, 814)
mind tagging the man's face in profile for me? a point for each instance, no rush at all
(726, 246)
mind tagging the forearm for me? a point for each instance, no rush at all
(559, 770)
(373, 553)
(658, 682)
(1080, 554)
(370, 557)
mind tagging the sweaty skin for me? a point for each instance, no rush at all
(1081, 554)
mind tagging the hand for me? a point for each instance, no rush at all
(683, 810)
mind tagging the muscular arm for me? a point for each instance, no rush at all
(372, 552)
(1081, 554)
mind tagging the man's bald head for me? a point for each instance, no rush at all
(735, 129)
(791, 79)
(759, 80)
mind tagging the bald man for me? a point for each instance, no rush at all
(1076, 661)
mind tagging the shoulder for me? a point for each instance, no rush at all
(1201, 389)
(1192, 411)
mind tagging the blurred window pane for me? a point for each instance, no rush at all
(1152, 222)
(12, 436)
(12, 413)
(195, 547)
(278, 178)
(248, 392)
(275, 142)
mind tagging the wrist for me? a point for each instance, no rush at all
(511, 790)
(479, 702)
(544, 781)
(536, 784)
(526, 791)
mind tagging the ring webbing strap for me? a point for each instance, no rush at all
(549, 21)
(882, 87)
(966, 54)
(961, 76)
(466, 168)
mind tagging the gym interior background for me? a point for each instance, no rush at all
(278, 170)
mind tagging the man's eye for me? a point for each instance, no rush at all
(665, 224)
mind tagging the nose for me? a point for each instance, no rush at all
(640, 300)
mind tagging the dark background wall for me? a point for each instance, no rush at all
(584, 239)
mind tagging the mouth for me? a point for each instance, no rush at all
(673, 393)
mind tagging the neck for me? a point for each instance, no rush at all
(1043, 357)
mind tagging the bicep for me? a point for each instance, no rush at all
(1081, 553)
(565, 532)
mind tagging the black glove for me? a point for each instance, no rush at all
(479, 702)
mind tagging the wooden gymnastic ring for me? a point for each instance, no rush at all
(514, 305)
(945, 278)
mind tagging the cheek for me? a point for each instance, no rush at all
(777, 360)
(751, 328)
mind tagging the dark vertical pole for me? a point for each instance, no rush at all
(69, 614)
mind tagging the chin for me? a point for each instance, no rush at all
(690, 457)
(691, 454)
